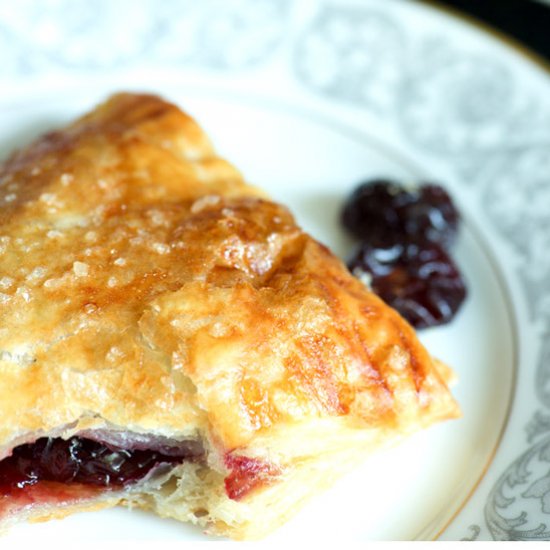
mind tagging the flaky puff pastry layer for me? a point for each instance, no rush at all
(145, 287)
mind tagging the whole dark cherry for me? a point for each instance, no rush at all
(379, 208)
(418, 279)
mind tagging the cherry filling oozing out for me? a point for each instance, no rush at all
(80, 460)
(246, 474)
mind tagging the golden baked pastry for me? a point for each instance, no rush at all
(171, 339)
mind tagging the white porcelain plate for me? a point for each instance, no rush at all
(308, 99)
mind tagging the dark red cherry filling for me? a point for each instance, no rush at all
(80, 460)
(247, 474)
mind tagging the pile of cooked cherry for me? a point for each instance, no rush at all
(406, 236)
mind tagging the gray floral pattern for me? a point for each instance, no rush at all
(218, 34)
(454, 104)
(71, 34)
(539, 424)
(102, 35)
(542, 380)
(475, 531)
(521, 497)
(516, 197)
(352, 54)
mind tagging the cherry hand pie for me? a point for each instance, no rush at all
(170, 339)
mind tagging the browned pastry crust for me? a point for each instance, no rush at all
(146, 289)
